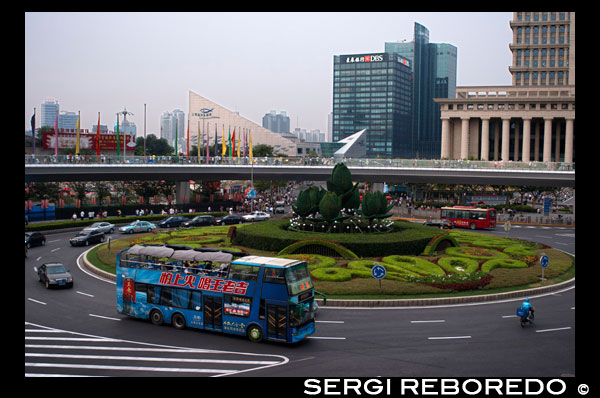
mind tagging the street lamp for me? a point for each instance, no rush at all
(125, 112)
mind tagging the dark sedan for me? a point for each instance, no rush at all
(440, 223)
(199, 221)
(34, 239)
(230, 219)
(86, 237)
(173, 221)
(54, 274)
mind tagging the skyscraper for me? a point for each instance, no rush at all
(276, 122)
(373, 92)
(49, 109)
(434, 76)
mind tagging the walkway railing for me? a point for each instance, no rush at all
(299, 161)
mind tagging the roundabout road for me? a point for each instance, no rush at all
(78, 332)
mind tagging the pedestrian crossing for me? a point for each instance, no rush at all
(51, 352)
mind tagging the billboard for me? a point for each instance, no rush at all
(108, 142)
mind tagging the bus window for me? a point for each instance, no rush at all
(237, 305)
(166, 296)
(298, 279)
(301, 314)
(492, 214)
(153, 294)
(274, 275)
(196, 301)
(244, 272)
(181, 298)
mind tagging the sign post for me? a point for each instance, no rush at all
(544, 263)
(378, 272)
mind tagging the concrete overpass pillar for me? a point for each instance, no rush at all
(182, 192)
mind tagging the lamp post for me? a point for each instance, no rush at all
(125, 112)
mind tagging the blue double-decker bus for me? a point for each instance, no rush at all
(258, 297)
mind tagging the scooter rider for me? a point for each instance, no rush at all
(528, 306)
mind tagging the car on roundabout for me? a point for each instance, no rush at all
(137, 226)
(34, 239)
(101, 226)
(54, 275)
(85, 237)
(439, 223)
(230, 219)
(256, 216)
(172, 221)
(199, 221)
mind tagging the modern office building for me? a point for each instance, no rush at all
(534, 118)
(172, 125)
(208, 119)
(276, 122)
(434, 76)
(373, 92)
(48, 111)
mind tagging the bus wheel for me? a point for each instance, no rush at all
(178, 321)
(254, 333)
(473, 226)
(156, 317)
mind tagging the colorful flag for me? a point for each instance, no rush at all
(207, 139)
(250, 146)
(229, 141)
(56, 131)
(187, 140)
(216, 139)
(233, 142)
(223, 148)
(77, 134)
(33, 131)
(118, 146)
(98, 137)
(238, 146)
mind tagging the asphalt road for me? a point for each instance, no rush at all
(78, 332)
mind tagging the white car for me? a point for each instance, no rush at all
(256, 216)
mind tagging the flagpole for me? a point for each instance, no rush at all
(144, 130)
(56, 131)
(118, 147)
(98, 137)
(77, 133)
(33, 132)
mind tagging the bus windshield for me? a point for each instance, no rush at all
(298, 279)
(301, 313)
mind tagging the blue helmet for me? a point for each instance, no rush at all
(527, 299)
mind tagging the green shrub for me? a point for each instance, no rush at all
(461, 265)
(362, 269)
(332, 274)
(336, 247)
(502, 263)
(414, 264)
(313, 260)
(475, 253)
(407, 238)
(443, 239)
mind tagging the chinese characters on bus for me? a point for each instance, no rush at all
(204, 283)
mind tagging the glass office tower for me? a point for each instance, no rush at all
(373, 92)
(434, 68)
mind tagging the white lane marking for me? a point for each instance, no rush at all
(433, 321)
(449, 337)
(35, 301)
(53, 250)
(326, 338)
(104, 317)
(329, 321)
(552, 330)
(84, 294)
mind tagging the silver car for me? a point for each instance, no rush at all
(54, 275)
(101, 226)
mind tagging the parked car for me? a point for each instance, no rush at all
(35, 239)
(102, 226)
(172, 221)
(230, 219)
(257, 216)
(137, 226)
(86, 237)
(54, 274)
(199, 221)
(439, 223)
(280, 210)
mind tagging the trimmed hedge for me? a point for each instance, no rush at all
(475, 253)
(336, 247)
(332, 274)
(451, 264)
(502, 263)
(435, 242)
(409, 239)
(313, 260)
(414, 264)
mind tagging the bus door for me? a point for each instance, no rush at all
(276, 321)
(213, 312)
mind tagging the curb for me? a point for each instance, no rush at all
(333, 303)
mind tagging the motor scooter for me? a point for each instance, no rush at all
(525, 315)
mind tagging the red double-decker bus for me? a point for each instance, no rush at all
(470, 216)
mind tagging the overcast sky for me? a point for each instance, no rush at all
(246, 62)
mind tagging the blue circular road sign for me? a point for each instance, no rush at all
(378, 271)
(544, 261)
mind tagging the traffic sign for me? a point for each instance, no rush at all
(378, 271)
(544, 261)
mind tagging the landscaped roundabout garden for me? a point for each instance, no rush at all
(420, 261)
